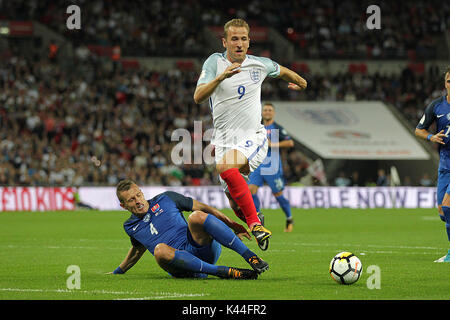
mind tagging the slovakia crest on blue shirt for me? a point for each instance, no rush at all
(155, 208)
(255, 74)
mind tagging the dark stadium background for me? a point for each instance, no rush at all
(89, 107)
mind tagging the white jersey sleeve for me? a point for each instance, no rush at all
(209, 69)
(272, 68)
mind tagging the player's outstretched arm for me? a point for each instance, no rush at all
(424, 134)
(240, 230)
(205, 90)
(296, 82)
(133, 256)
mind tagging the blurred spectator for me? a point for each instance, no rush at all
(355, 179)
(342, 180)
(382, 179)
(426, 181)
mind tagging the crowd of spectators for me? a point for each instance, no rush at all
(321, 29)
(96, 125)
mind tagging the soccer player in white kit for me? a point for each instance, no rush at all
(231, 81)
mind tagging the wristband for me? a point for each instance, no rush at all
(118, 271)
(429, 137)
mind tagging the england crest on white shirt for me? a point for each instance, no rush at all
(255, 74)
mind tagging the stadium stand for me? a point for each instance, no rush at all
(91, 126)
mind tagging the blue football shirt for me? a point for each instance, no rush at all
(163, 222)
(439, 111)
(275, 133)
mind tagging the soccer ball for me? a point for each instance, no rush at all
(345, 268)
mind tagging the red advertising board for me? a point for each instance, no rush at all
(36, 199)
(20, 28)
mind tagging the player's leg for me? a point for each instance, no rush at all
(230, 168)
(204, 228)
(443, 200)
(276, 184)
(233, 205)
(286, 207)
(240, 160)
(238, 212)
(182, 264)
(255, 181)
(254, 191)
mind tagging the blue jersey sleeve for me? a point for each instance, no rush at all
(429, 116)
(183, 203)
(135, 243)
(283, 133)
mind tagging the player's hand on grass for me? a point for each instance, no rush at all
(438, 137)
(230, 71)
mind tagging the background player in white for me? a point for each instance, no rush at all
(231, 81)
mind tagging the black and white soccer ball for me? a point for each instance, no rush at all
(345, 268)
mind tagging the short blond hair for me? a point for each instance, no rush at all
(235, 23)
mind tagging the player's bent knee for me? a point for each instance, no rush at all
(222, 167)
(197, 217)
(163, 253)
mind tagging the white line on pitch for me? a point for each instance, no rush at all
(158, 295)
(359, 245)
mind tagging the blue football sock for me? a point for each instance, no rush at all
(225, 236)
(256, 202)
(284, 204)
(446, 211)
(186, 261)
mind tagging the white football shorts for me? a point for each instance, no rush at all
(253, 147)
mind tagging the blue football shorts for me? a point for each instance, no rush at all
(443, 185)
(274, 181)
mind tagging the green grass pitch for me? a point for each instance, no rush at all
(37, 248)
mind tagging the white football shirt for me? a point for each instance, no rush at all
(236, 102)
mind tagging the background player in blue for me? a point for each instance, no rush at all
(182, 248)
(271, 170)
(439, 111)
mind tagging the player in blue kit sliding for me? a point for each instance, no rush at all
(439, 111)
(182, 248)
(271, 170)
